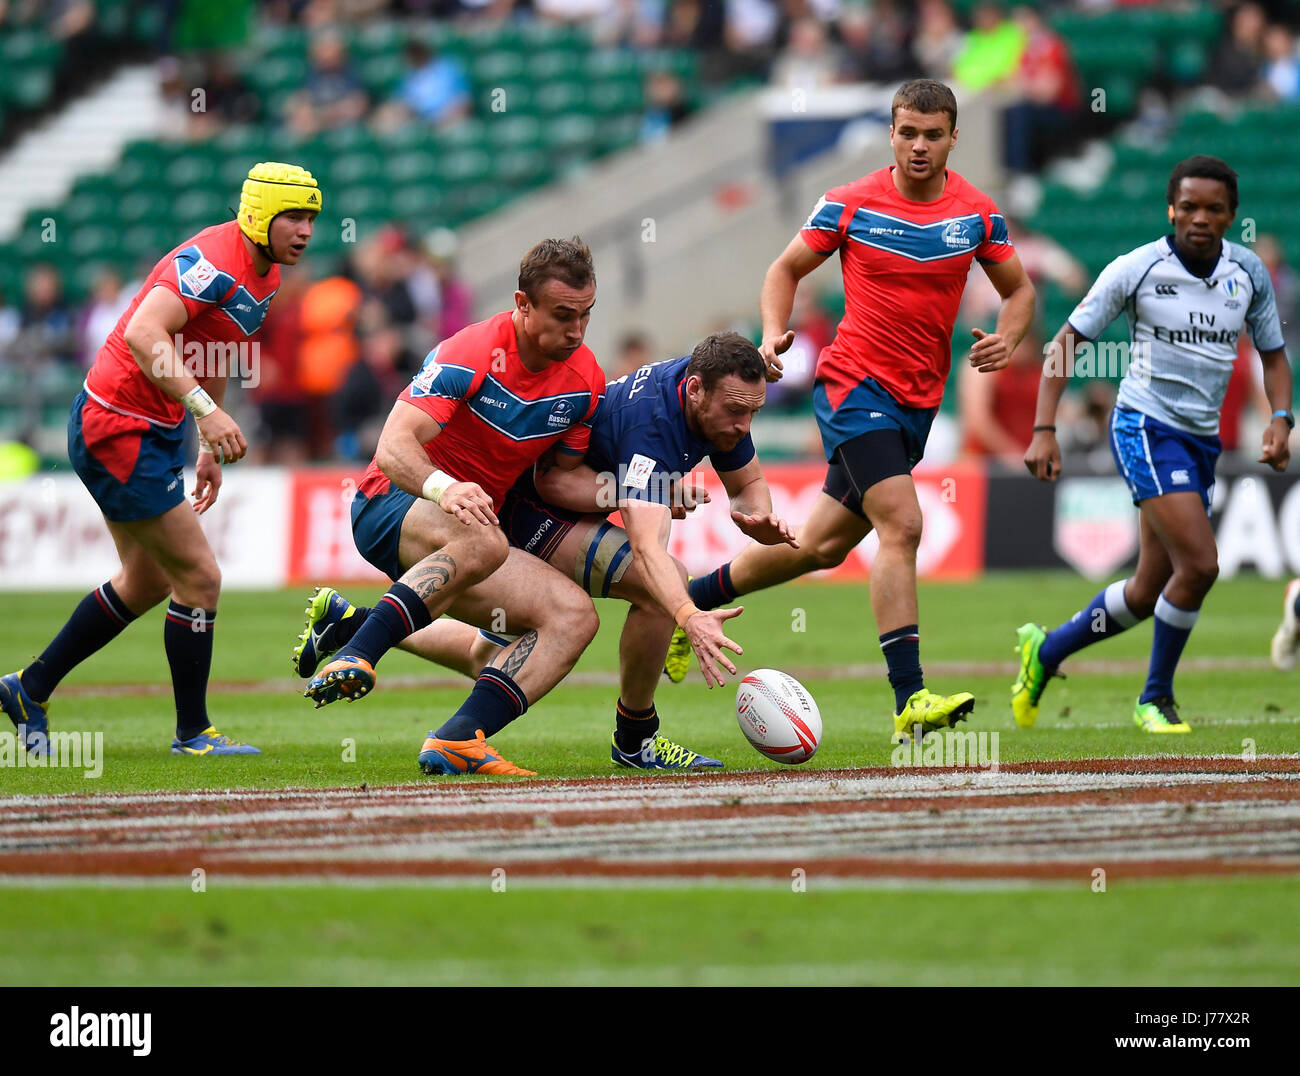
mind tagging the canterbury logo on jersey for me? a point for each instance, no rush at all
(1166, 289)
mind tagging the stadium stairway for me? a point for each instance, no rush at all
(683, 230)
(86, 136)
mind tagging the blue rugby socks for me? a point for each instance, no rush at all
(710, 591)
(902, 648)
(634, 727)
(399, 613)
(1106, 615)
(98, 619)
(1172, 630)
(495, 701)
(187, 638)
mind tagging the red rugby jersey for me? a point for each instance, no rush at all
(213, 275)
(497, 417)
(905, 265)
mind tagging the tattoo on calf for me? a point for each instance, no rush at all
(513, 660)
(432, 574)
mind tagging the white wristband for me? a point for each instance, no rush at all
(198, 403)
(435, 486)
(205, 447)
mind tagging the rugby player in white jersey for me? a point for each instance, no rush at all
(1187, 298)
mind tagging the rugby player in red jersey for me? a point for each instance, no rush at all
(906, 236)
(126, 441)
(485, 406)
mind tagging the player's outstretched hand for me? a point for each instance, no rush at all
(989, 352)
(704, 629)
(222, 433)
(766, 530)
(1277, 445)
(687, 496)
(773, 346)
(208, 472)
(468, 502)
(1043, 457)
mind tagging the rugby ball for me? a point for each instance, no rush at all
(778, 716)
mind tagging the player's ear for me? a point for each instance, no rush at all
(1170, 211)
(521, 302)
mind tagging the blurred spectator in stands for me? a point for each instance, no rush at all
(366, 396)
(46, 327)
(332, 96)
(629, 24)
(939, 39)
(1244, 394)
(1083, 427)
(1282, 64)
(813, 331)
(279, 396)
(436, 90)
(876, 43)
(666, 105)
(574, 11)
(381, 271)
(327, 348)
(694, 24)
(1236, 66)
(226, 96)
(108, 301)
(1286, 289)
(1045, 262)
(808, 60)
(10, 321)
(996, 410)
(456, 303)
(1048, 95)
(633, 352)
(992, 50)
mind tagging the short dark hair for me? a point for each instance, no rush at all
(1203, 166)
(566, 260)
(725, 353)
(925, 95)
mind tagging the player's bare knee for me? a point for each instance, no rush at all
(200, 585)
(479, 555)
(575, 616)
(902, 531)
(1200, 573)
(828, 553)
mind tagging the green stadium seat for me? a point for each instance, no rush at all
(498, 68)
(364, 202)
(560, 98)
(413, 166)
(465, 167)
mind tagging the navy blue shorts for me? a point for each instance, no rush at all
(866, 408)
(133, 468)
(377, 528)
(530, 523)
(1156, 459)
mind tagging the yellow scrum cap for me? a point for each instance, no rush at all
(273, 188)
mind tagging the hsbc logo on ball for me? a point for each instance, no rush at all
(745, 709)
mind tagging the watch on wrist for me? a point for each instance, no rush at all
(1288, 416)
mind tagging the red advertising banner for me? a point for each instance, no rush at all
(321, 548)
(952, 497)
(952, 502)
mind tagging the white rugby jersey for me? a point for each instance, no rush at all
(1183, 329)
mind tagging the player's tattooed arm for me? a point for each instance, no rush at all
(431, 575)
(512, 659)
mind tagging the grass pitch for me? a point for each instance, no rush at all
(1223, 932)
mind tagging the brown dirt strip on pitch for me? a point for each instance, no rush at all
(937, 669)
(1136, 817)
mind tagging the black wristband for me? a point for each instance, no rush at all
(1040, 429)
